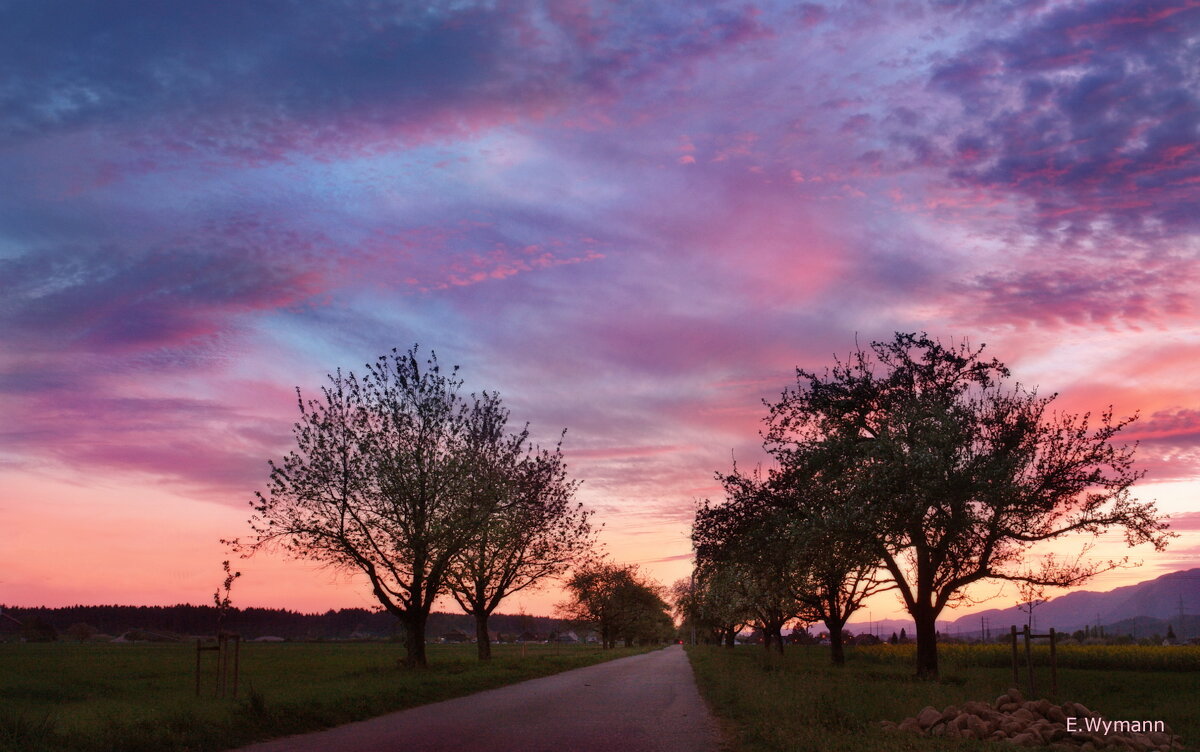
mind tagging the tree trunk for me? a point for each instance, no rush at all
(414, 639)
(731, 638)
(481, 636)
(773, 636)
(927, 654)
(836, 650)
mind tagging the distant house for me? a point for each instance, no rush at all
(567, 637)
(528, 636)
(454, 636)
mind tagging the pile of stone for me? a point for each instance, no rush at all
(1037, 723)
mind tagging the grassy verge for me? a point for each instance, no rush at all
(799, 702)
(130, 698)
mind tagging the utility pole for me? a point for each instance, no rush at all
(1181, 634)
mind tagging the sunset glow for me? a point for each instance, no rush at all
(633, 222)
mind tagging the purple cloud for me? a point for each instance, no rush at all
(1089, 111)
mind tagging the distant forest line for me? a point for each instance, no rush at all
(186, 619)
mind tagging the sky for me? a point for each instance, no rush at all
(634, 221)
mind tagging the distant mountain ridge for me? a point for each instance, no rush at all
(1148, 605)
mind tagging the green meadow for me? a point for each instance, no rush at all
(798, 702)
(141, 697)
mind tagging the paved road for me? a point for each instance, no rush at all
(645, 703)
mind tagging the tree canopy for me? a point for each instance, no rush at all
(536, 532)
(959, 473)
(394, 475)
(618, 602)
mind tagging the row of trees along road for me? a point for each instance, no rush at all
(916, 467)
(400, 476)
(619, 603)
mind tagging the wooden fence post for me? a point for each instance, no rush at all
(1029, 661)
(1053, 664)
(1016, 677)
(237, 654)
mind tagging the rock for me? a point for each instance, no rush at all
(928, 716)
(977, 727)
(1056, 715)
(887, 725)
(1058, 733)
(1015, 695)
(950, 713)
(909, 725)
(1027, 739)
(1024, 715)
(1044, 729)
(1001, 700)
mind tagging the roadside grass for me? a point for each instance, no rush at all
(800, 703)
(141, 698)
(999, 655)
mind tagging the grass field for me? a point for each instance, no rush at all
(134, 698)
(801, 703)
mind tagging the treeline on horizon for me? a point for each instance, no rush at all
(187, 620)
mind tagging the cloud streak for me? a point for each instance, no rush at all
(634, 220)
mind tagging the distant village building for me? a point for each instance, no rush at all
(454, 636)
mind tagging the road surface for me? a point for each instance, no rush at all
(644, 703)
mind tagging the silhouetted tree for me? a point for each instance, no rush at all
(389, 478)
(816, 508)
(748, 539)
(962, 474)
(713, 601)
(1030, 596)
(82, 631)
(223, 603)
(618, 603)
(536, 532)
